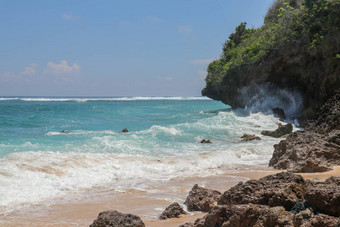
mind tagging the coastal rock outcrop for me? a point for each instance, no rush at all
(172, 211)
(281, 189)
(247, 137)
(117, 219)
(317, 148)
(246, 215)
(280, 131)
(325, 196)
(280, 113)
(201, 199)
(205, 141)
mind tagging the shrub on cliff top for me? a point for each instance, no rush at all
(305, 24)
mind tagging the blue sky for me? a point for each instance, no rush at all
(115, 48)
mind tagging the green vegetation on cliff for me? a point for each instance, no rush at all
(298, 47)
(288, 22)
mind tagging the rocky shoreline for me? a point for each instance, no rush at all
(282, 199)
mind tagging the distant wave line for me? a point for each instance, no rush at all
(137, 98)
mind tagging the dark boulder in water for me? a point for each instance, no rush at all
(247, 137)
(172, 211)
(280, 113)
(117, 219)
(280, 131)
(205, 141)
(125, 130)
(64, 131)
(201, 199)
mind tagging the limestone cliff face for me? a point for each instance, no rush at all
(303, 63)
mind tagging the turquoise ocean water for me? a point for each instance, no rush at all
(38, 161)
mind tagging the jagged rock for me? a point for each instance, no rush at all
(281, 189)
(246, 215)
(325, 196)
(172, 211)
(112, 218)
(205, 141)
(317, 148)
(201, 199)
(328, 118)
(280, 113)
(247, 137)
(125, 130)
(306, 218)
(307, 151)
(280, 131)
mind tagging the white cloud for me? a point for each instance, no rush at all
(185, 29)
(68, 16)
(62, 68)
(202, 61)
(29, 70)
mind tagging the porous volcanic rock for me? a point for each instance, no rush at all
(280, 131)
(247, 137)
(325, 196)
(172, 211)
(201, 199)
(112, 218)
(317, 148)
(281, 189)
(246, 215)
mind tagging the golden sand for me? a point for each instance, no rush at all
(82, 212)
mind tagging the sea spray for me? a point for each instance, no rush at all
(38, 162)
(263, 98)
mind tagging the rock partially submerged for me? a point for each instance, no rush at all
(281, 189)
(280, 113)
(116, 219)
(172, 211)
(282, 130)
(125, 130)
(201, 199)
(247, 137)
(317, 148)
(205, 141)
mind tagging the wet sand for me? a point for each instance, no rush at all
(84, 207)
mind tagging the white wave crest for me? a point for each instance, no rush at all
(137, 98)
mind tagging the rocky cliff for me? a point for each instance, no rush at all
(297, 48)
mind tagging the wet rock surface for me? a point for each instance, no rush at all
(112, 218)
(317, 148)
(172, 211)
(280, 113)
(282, 189)
(280, 131)
(205, 141)
(201, 199)
(247, 137)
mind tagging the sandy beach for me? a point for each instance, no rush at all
(148, 205)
